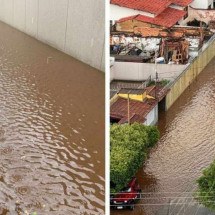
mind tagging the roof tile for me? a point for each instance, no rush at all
(167, 18)
(150, 6)
(182, 3)
(138, 110)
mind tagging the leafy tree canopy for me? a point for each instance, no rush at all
(129, 148)
(206, 187)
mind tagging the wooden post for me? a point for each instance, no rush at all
(201, 34)
(156, 76)
(128, 109)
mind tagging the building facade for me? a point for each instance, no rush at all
(203, 4)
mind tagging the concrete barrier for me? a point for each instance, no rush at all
(74, 27)
(141, 71)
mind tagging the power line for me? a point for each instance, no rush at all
(169, 197)
(165, 204)
(168, 192)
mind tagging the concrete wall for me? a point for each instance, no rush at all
(189, 75)
(201, 15)
(141, 71)
(202, 4)
(152, 117)
(74, 27)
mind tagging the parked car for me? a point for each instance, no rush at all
(127, 197)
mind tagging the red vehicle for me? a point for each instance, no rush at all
(126, 198)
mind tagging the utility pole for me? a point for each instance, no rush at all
(156, 81)
(156, 76)
(201, 34)
(128, 108)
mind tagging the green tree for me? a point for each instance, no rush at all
(153, 135)
(206, 187)
(134, 137)
(124, 163)
(129, 148)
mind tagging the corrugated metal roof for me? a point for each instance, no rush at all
(138, 110)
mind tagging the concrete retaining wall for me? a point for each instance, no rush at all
(74, 27)
(141, 71)
(189, 75)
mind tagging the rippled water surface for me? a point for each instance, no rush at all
(51, 130)
(186, 147)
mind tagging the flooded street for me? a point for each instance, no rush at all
(186, 147)
(51, 130)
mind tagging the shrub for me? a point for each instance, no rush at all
(134, 137)
(206, 187)
(153, 135)
(124, 163)
(129, 147)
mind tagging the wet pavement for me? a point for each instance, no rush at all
(51, 130)
(186, 147)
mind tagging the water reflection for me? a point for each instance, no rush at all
(187, 146)
(51, 130)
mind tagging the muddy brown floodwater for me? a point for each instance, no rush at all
(51, 130)
(186, 147)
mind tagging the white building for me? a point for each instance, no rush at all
(148, 8)
(117, 12)
(203, 4)
(152, 116)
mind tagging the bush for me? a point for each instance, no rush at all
(129, 147)
(134, 137)
(124, 163)
(153, 135)
(206, 187)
